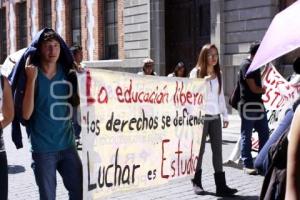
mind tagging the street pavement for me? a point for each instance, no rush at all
(22, 184)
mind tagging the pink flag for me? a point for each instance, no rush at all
(282, 36)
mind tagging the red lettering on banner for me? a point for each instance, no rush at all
(178, 152)
(173, 168)
(153, 97)
(277, 94)
(156, 96)
(102, 93)
(90, 99)
(279, 91)
(268, 74)
(266, 98)
(119, 94)
(281, 102)
(182, 98)
(163, 159)
(178, 166)
(278, 99)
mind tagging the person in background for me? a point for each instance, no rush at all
(251, 110)
(148, 67)
(179, 71)
(47, 72)
(77, 53)
(7, 112)
(209, 68)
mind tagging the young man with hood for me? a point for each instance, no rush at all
(47, 112)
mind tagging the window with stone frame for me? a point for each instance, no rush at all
(46, 14)
(75, 22)
(111, 29)
(21, 25)
(3, 41)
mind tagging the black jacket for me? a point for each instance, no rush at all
(17, 79)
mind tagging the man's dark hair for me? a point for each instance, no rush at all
(296, 65)
(49, 35)
(75, 48)
(254, 47)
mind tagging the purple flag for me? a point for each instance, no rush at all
(282, 36)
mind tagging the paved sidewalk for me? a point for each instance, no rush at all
(22, 185)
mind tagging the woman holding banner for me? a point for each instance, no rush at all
(208, 67)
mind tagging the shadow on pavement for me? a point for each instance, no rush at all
(208, 193)
(224, 142)
(15, 169)
(237, 197)
(230, 163)
(228, 141)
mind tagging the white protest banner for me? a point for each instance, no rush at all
(280, 94)
(138, 131)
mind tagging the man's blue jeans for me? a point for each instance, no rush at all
(261, 161)
(67, 163)
(252, 120)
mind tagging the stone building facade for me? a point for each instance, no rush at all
(119, 34)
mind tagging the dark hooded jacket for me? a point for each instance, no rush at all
(17, 79)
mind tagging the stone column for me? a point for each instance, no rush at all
(157, 39)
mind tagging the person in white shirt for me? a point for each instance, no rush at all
(208, 67)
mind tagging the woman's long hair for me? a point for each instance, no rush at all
(178, 67)
(202, 64)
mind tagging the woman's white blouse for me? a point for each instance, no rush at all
(215, 102)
